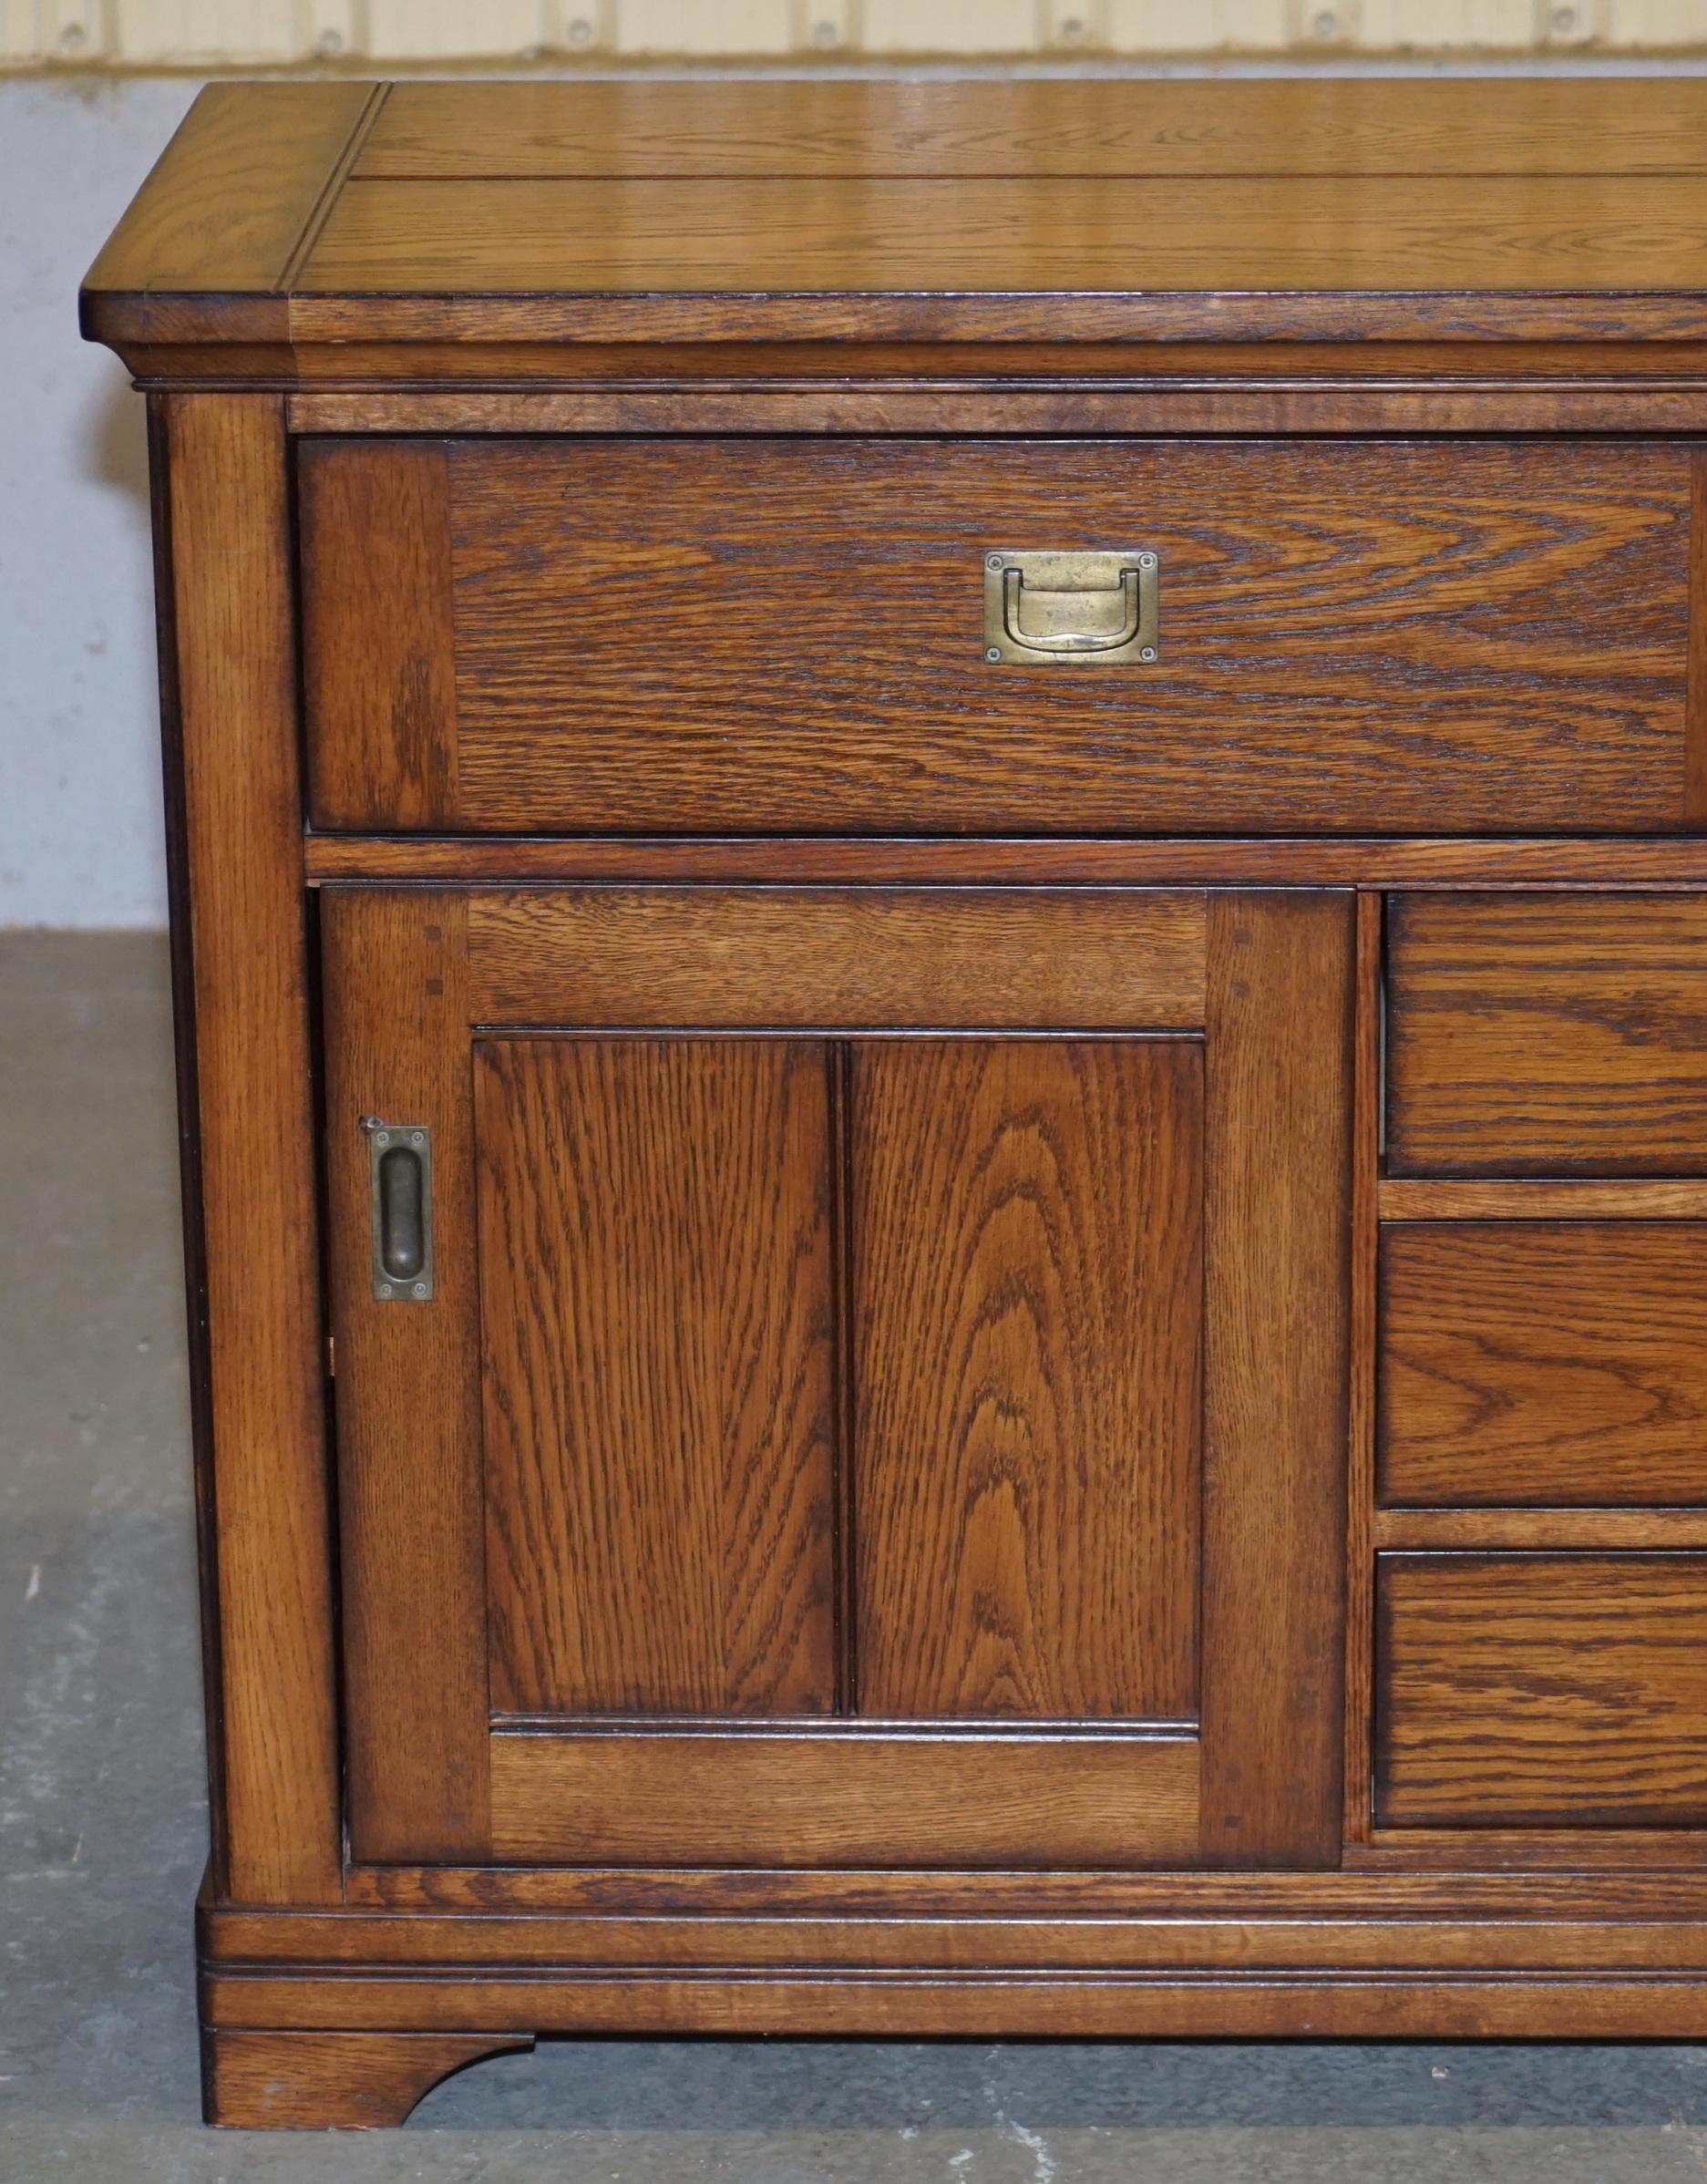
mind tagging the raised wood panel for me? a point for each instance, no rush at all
(710, 634)
(659, 1318)
(411, 1560)
(797, 958)
(1277, 1182)
(835, 1798)
(379, 676)
(1529, 1033)
(1067, 235)
(1027, 1301)
(995, 128)
(1544, 1364)
(1537, 1690)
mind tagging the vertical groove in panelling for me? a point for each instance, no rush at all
(838, 1060)
(1361, 1438)
(1696, 699)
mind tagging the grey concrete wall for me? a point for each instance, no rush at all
(79, 792)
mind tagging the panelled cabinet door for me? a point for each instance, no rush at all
(840, 1377)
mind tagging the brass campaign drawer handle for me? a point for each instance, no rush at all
(1102, 609)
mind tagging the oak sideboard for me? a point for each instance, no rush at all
(939, 883)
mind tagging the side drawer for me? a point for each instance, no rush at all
(1541, 1690)
(1547, 1034)
(780, 634)
(1530, 1362)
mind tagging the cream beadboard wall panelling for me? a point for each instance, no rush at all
(210, 34)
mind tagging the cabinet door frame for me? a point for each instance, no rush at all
(411, 975)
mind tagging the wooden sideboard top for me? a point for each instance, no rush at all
(314, 231)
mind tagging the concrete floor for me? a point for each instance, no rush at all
(101, 1816)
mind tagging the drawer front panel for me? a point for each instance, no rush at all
(1541, 1690)
(1534, 1034)
(789, 635)
(1544, 1363)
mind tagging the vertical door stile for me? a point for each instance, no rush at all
(1279, 1039)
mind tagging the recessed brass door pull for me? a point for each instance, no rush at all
(1101, 610)
(400, 1169)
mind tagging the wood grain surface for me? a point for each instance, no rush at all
(1027, 1302)
(316, 2081)
(842, 1800)
(1367, 1094)
(1538, 1689)
(1278, 1179)
(1249, 2003)
(1528, 1035)
(1664, 1879)
(1490, 1527)
(870, 958)
(995, 128)
(1058, 234)
(513, 232)
(264, 1461)
(1568, 1197)
(659, 1325)
(701, 634)
(411, 1560)
(1515, 1929)
(1544, 1363)
(1362, 387)
(1553, 863)
(379, 671)
(234, 193)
